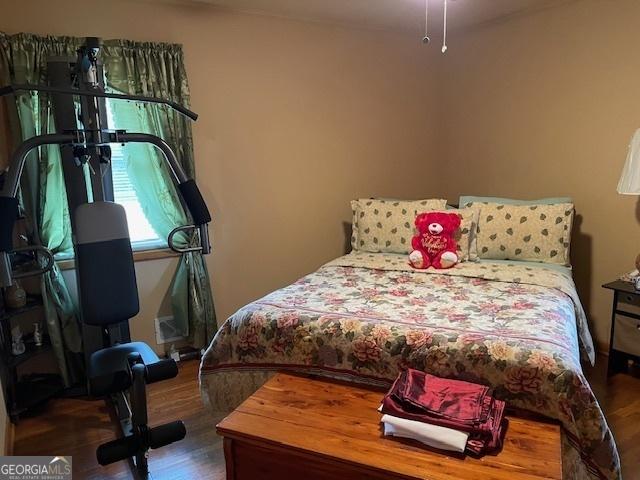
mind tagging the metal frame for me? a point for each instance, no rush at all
(19, 157)
(131, 410)
(15, 88)
(105, 137)
(618, 359)
(91, 145)
(139, 418)
(77, 137)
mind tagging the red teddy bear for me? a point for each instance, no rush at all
(434, 244)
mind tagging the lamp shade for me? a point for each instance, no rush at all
(629, 183)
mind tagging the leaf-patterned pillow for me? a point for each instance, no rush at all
(538, 233)
(466, 236)
(387, 225)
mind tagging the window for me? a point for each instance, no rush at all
(126, 117)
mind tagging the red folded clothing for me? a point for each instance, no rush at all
(449, 403)
(462, 402)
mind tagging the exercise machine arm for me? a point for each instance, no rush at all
(16, 88)
(11, 181)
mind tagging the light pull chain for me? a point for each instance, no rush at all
(444, 34)
(426, 38)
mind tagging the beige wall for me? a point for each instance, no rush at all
(296, 119)
(545, 105)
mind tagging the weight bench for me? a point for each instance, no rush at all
(108, 295)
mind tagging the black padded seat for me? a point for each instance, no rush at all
(106, 274)
(108, 372)
(108, 295)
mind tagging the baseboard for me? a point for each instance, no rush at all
(9, 435)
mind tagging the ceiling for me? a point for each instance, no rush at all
(388, 14)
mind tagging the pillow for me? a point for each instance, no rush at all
(466, 199)
(466, 237)
(387, 225)
(539, 233)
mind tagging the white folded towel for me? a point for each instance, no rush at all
(433, 435)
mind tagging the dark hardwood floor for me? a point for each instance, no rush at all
(76, 427)
(620, 401)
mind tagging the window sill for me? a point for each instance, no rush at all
(138, 256)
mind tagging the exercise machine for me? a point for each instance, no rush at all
(117, 368)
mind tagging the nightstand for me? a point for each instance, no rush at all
(624, 342)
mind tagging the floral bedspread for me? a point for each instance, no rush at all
(364, 317)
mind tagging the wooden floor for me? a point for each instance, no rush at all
(620, 401)
(76, 427)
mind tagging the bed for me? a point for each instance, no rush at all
(516, 326)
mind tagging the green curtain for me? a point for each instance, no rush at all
(157, 70)
(23, 59)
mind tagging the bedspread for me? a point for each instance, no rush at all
(363, 317)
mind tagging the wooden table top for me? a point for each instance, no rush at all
(622, 286)
(340, 421)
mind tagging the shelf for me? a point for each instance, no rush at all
(33, 302)
(34, 390)
(20, 259)
(32, 350)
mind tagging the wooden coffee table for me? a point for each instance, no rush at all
(315, 429)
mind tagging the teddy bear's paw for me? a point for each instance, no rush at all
(448, 259)
(416, 259)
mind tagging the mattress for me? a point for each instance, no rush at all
(519, 328)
